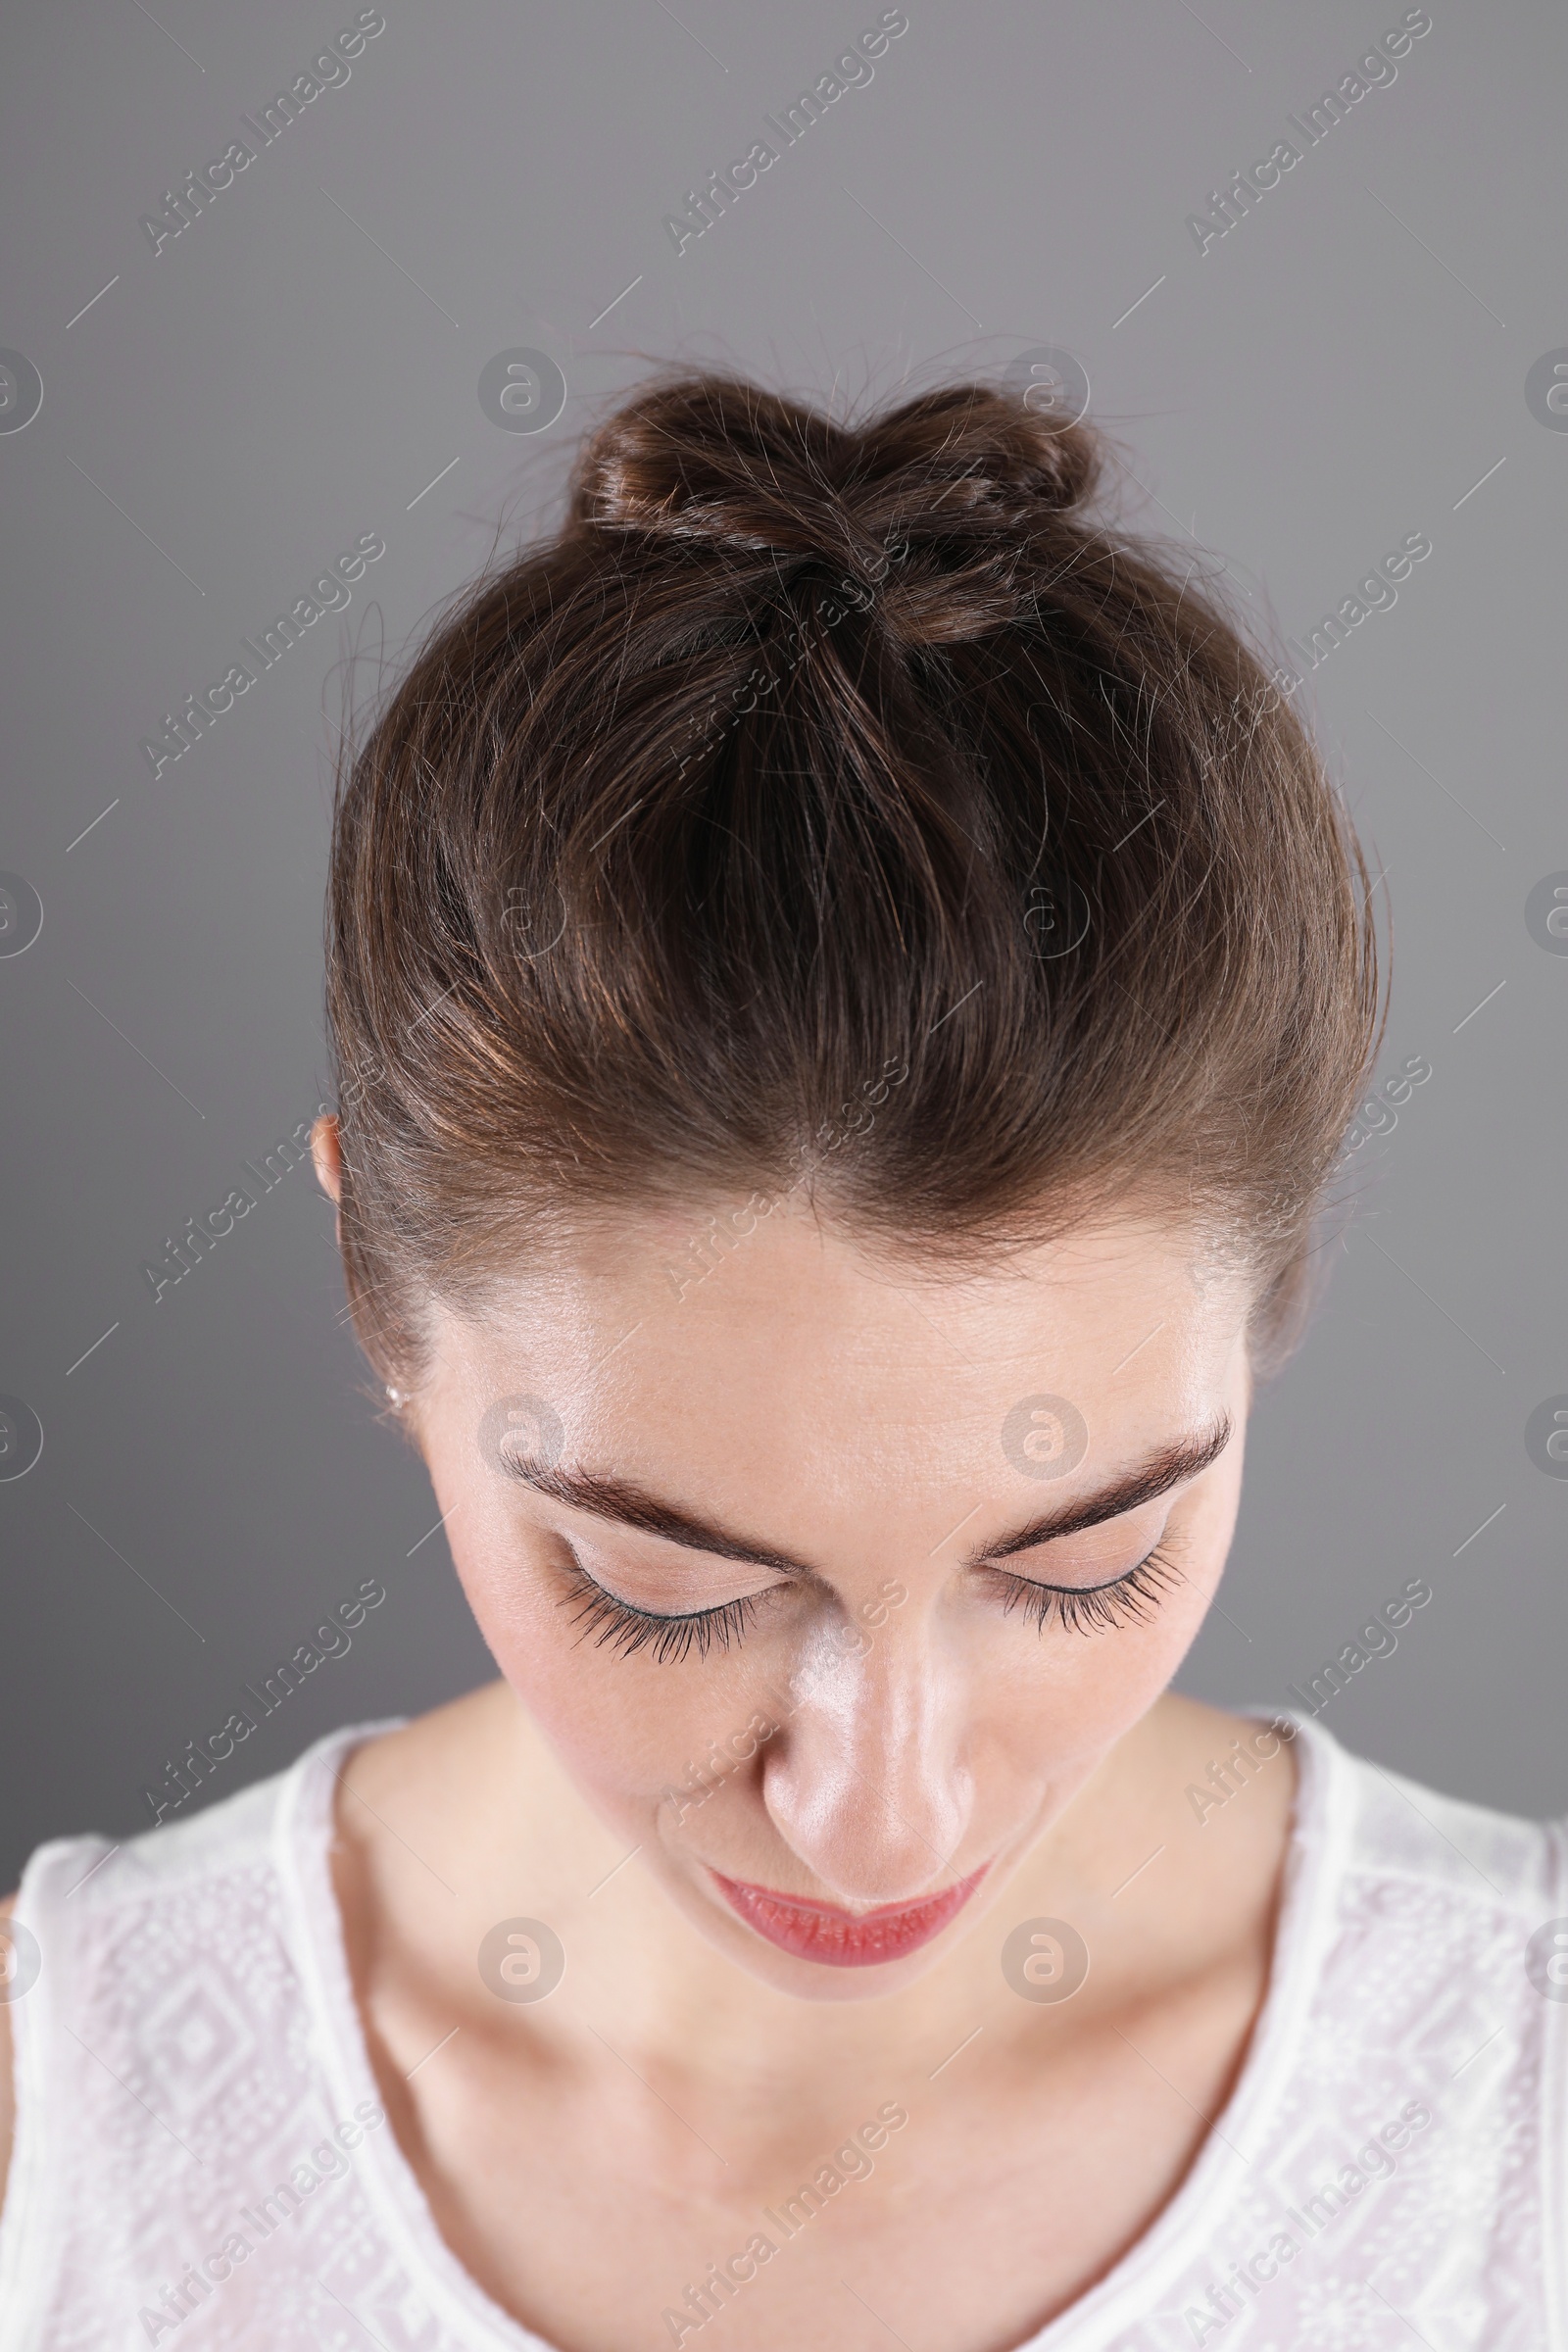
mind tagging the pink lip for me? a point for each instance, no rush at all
(846, 1938)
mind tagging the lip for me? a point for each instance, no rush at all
(842, 1938)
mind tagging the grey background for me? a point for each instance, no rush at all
(293, 371)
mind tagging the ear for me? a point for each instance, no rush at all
(327, 1158)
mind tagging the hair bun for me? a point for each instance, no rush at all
(930, 504)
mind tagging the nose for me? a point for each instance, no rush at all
(869, 1784)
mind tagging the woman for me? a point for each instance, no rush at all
(848, 982)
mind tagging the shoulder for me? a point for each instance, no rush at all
(78, 1899)
(1436, 1936)
(115, 1943)
(104, 1882)
(8, 2101)
(1412, 1844)
(166, 1987)
(1403, 2097)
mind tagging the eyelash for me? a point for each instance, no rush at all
(1089, 1609)
(629, 1629)
(1096, 1609)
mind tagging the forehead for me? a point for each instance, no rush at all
(799, 1340)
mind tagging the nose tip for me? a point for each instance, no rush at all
(867, 1843)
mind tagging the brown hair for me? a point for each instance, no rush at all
(810, 768)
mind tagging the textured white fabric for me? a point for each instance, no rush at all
(191, 2043)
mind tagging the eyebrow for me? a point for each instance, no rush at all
(606, 1496)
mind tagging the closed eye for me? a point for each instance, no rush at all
(1126, 1599)
(628, 1628)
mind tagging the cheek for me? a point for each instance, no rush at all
(1057, 1701)
(1083, 1690)
(627, 1727)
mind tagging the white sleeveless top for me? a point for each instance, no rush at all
(202, 2159)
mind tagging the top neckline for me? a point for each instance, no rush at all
(1315, 1862)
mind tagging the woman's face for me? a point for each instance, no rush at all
(830, 1582)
